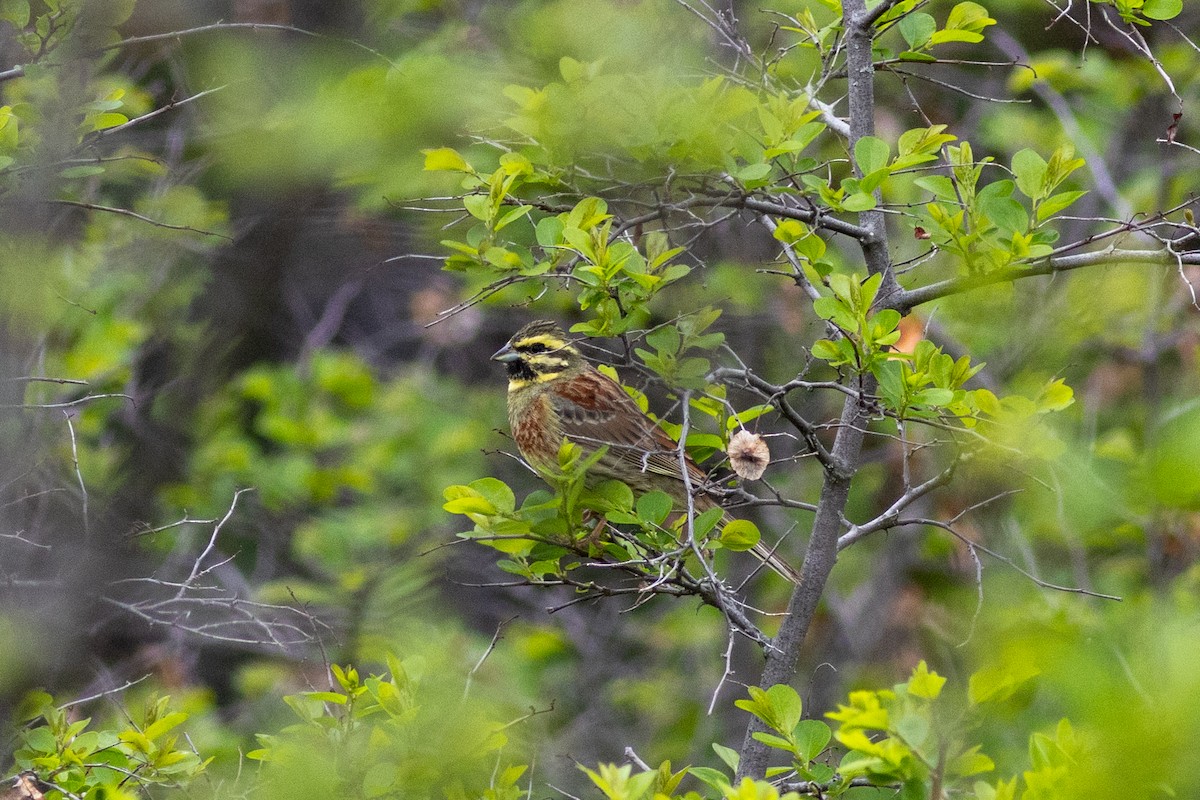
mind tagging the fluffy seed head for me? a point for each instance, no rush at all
(748, 455)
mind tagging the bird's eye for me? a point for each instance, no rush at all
(536, 347)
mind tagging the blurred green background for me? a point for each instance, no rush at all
(272, 333)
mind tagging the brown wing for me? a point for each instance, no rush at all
(594, 411)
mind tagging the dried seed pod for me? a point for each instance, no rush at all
(748, 455)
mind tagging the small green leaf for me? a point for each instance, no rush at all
(712, 777)
(1162, 9)
(740, 535)
(654, 507)
(941, 187)
(859, 201)
(16, 12)
(1055, 203)
(786, 705)
(790, 231)
(916, 28)
(924, 683)
(1029, 169)
(83, 171)
(812, 736)
(469, 505)
(934, 397)
(1055, 397)
(443, 159)
(496, 492)
(165, 724)
(728, 755)
(771, 740)
(513, 216)
(753, 172)
(871, 153)
(1000, 681)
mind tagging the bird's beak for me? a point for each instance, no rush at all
(506, 354)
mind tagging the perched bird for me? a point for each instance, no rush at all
(553, 392)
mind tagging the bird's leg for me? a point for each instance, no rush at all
(593, 538)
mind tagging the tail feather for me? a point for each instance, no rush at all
(771, 559)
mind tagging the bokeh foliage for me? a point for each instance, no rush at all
(549, 125)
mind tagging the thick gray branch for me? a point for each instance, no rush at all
(845, 455)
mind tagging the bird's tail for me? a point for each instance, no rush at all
(768, 556)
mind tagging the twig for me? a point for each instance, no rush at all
(491, 646)
(125, 212)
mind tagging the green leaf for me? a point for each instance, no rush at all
(934, 397)
(665, 339)
(916, 28)
(940, 185)
(971, 762)
(478, 206)
(706, 521)
(82, 171)
(924, 683)
(826, 350)
(469, 505)
(859, 201)
(713, 777)
(654, 507)
(728, 755)
(1055, 396)
(753, 172)
(1007, 213)
(614, 494)
(16, 12)
(771, 740)
(1055, 203)
(1029, 169)
(570, 69)
(811, 737)
(944, 36)
(497, 493)
(549, 231)
(1001, 681)
(1162, 9)
(871, 153)
(968, 16)
(790, 231)
(165, 724)
(740, 535)
(444, 159)
(512, 216)
(786, 705)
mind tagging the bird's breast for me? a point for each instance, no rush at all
(536, 430)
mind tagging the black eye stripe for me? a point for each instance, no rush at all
(536, 347)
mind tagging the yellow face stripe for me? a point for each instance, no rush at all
(541, 377)
(551, 342)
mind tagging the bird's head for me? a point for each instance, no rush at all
(537, 353)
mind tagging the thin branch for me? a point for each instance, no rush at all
(87, 525)
(125, 212)
(252, 26)
(105, 693)
(908, 299)
(970, 543)
(101, 134)
(491, 646)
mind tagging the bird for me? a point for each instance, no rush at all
(554, 392)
